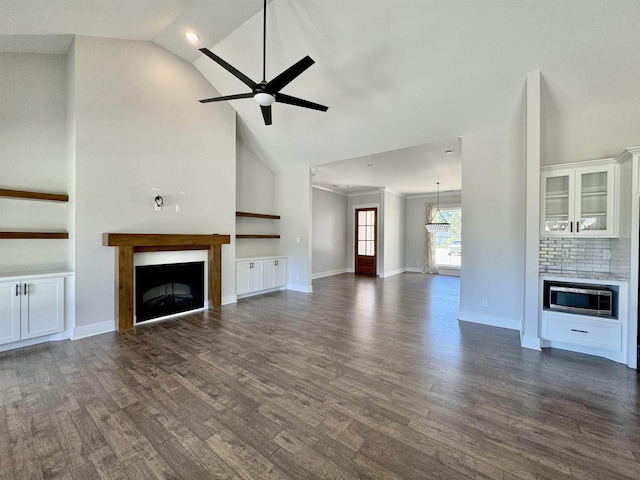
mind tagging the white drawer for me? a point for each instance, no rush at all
(606, 334)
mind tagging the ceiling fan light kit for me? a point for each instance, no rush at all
(266, 93)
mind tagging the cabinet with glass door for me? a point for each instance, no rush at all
(579, 199)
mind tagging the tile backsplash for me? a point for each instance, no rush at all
(568, 255)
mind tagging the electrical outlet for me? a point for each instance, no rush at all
(606, 254)
(485, 303)
(565, 253)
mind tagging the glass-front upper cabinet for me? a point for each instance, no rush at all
(579, 201)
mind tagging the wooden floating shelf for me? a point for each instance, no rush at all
(257, 215)
(35, 235)
(52, 197)
(257, 236)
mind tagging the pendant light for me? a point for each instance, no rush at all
(438, 224)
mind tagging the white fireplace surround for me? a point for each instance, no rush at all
(141, 259)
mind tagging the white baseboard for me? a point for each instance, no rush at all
(599, 352)
(413, 270)
(391, 273)
(92, 329)
(534, 343)
(300, 288)
(229, 299)
(490, 320)
(56, 337)
(328, 273)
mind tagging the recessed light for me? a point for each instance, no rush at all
(192, 37)
(370, 165)
(448, 152)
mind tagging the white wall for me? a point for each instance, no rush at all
(255, 194)
(33, 115)
(139, 126)
(329, 232)
(493, 173)
(293, 203)
(394, 234)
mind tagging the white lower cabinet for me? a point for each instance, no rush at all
(249, 276)
(580, 330)
(275, 273)
(260, 274)
(31, 307)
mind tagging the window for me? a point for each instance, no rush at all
(449, 244)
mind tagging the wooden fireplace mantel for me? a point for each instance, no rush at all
(129, 243)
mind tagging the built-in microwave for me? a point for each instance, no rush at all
(596, 300)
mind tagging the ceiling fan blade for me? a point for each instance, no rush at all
(232, 70)
(266, 114)
(282, 80)
(227, 97)
(299, 102)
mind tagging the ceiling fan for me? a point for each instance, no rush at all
(266, 93)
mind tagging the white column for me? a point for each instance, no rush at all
(530, 335)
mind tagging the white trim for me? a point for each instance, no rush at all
(489, 320)
(34, 341)
(260, 292)
(326, 189)
(619, 357)
(92, 329)
(300, 288)
(449, 193)
(451, 271)
(328, 273)
(368, 192)
(534, 343)
(229, 299)
(392, 272)
(413, 270)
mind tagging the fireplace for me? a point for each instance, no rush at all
(168, 289)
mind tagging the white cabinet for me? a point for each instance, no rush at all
(275, 273)
(580, 199)
(249, 276)
(260, 275)
(31, 307)
(581, 330)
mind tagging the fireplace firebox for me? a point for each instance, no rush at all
(163, 290)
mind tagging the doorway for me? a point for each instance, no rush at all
(366, 234)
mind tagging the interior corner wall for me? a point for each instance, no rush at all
(140, 132)
(493, 205)
(293, 203)
(33, 152)
(329, 233)
(394, 234)
(254, 194)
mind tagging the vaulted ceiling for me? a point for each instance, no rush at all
(403, 79)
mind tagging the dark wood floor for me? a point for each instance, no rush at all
(365, 378)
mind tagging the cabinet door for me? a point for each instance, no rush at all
(281, 272)
(9, 312)
(249, 276)
(595, 201)
(257, 275)
(243, 277)
(557, 203)
(275, 273)
(42, 307)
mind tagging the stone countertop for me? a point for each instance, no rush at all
(586, 275)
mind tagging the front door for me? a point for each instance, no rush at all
(366, 237)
